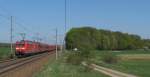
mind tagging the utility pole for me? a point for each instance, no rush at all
(61, 46)
(65, 25)
(56, 44)
(11, 37)
(65, 16)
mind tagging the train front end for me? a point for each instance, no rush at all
(20, 48)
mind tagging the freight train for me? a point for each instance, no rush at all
(26, 47)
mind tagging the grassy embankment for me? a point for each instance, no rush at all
(133, 62)
(61, 69)
(139, 67)
(4, 52)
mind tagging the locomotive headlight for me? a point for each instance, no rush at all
(23, 48)
(17, 48)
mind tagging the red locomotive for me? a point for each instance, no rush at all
(25, 47)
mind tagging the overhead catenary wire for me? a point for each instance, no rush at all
(1, 15)
(33, 34)
(19, 26)
(16, 23)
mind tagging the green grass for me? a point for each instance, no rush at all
(60, 69)
(117, 52)
(99, 54)
(4, 52)
(140, 67)
(133, 52)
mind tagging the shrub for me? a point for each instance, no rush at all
(86, 69)
(74, 58)
(110, 58)
(78, 57)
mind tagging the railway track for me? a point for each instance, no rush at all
(7, 60)
(13, 64)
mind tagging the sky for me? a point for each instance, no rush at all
(42, 17)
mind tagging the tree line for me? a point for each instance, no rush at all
(4, 44)
(100, 39)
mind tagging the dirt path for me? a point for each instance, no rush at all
(29, 69)
(110, 72)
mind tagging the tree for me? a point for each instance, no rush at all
(99, 39)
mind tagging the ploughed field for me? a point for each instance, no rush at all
(135, 62)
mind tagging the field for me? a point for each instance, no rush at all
(4, 52)
(139, 68)
(133, 62)
(124, 52)
(128, 54)
(60, 69)
(133, 66)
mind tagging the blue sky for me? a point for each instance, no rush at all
(43, 16)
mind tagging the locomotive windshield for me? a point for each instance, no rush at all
(19, 45)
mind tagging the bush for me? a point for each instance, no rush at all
(109, 58)
(84, 54)
(78, 57)
(85, 69)
(74, 58)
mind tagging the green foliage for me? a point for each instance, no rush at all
(81, 38)
(109, 58)
(84, 53)
(77, 57)
(60, 69)
(92, 38)
(147, 43)
(74, 58)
